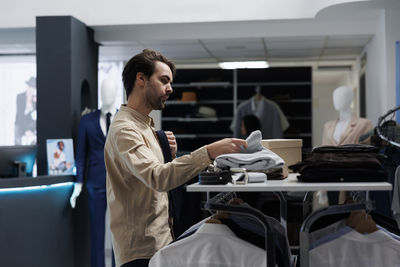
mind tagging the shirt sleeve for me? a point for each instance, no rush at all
(142, 162)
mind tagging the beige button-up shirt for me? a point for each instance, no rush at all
(137, 185)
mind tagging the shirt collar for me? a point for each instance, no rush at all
(104, 112)
(215, 229)
(253, 102)
(144, 118)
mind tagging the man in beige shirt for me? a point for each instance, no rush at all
(137, 177)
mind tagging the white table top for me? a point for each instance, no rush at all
(291, 184)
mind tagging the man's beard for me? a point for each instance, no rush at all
(156, 103)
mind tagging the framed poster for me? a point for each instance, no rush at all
(60, 157)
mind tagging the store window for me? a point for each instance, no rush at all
(18, 101)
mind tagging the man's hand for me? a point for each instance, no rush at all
(225, 146)
(172, 143)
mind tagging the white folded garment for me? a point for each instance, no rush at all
(261, 160)
(253, 177)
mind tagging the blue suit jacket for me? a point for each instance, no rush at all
(90, 150)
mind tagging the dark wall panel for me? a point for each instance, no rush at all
(67, 59)
(67, 67)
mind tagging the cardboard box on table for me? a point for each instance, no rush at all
(288, 149)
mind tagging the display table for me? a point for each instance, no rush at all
(291, 184)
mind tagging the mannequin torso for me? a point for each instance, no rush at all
(348, 128)
(341, 125)
(108, 93)
(87, 147)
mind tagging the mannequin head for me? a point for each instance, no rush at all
(108, 92)
(342, 98)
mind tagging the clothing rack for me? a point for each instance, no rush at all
(308, 222)
(218, 203)
(379, 127)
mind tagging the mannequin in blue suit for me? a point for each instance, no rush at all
(90, 154)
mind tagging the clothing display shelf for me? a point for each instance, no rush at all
(201, 107)
(290, 88)
(291, 184)
(217, 203)
(219, 93)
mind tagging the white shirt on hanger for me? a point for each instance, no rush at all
(212, 245)
(353, 249)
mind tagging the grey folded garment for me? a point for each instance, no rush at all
(260, 160)
(253, 142)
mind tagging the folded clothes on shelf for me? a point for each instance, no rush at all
(345, 163)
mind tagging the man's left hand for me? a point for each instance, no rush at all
(172, 143)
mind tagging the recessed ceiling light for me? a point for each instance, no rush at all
(244, 65)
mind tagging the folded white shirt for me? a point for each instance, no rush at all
(253, 177)
(261, 160)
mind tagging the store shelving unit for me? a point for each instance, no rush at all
(224, 90)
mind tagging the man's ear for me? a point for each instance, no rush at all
(140, 78)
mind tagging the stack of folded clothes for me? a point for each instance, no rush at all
(345, 163)
(255, 158)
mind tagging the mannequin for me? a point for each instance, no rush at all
(348, 128)
(342, 99)
(92, 134)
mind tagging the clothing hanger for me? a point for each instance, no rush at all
(236, 201)
(382, 124)
(214, 221)
(221, 215)
(360, 221)
(258, 94)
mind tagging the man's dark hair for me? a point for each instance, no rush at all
(59, 143)
(144, 62)
(251, 123)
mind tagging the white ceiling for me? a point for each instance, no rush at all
(337, 33)
(278, 49)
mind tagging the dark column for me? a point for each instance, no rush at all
(67, 59)
(67, 66)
